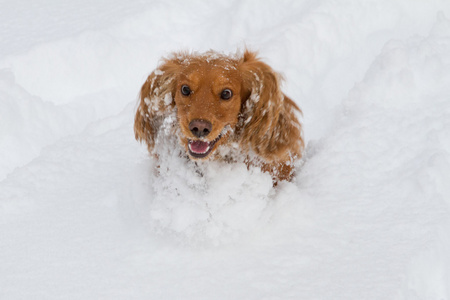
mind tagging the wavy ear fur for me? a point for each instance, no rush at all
(270, 126)
(156, 101)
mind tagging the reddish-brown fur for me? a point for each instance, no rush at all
(263, 120)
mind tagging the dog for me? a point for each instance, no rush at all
(222, 101)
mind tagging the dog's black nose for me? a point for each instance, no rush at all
(200, 128)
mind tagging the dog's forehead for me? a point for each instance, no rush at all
(216, 73)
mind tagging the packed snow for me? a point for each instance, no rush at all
(87, 213)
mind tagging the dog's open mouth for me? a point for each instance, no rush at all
(201, 149)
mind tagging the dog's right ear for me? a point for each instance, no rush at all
(270, 124)
(156, 101)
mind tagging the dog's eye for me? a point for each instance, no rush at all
(185, 90)
(226, 94)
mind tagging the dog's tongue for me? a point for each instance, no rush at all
(199, 146)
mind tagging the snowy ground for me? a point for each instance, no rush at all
(83, 215)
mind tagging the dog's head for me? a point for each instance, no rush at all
(208, 100)
(218, 98)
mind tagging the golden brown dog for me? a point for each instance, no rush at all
(223, 101)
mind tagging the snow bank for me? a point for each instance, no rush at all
(27, 124)
(388, 157)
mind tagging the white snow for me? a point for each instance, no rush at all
(86, 213)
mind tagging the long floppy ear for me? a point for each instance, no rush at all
(270, 126)
(156, 101)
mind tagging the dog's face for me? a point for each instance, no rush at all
(208, 100)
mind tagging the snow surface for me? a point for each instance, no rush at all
(85, 214)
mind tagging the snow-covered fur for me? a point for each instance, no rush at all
(257, 116)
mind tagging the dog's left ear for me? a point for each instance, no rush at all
(270, 126)
(156, 101)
